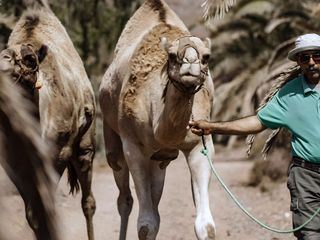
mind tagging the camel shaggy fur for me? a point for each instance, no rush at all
(65, 100)
(148, 95)
(25, 156)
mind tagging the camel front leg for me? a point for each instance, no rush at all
(141, 171)
(200, 178)
(157, 183)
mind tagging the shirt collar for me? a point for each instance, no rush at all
(305, 86)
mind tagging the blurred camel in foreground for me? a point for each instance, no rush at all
(25, 157)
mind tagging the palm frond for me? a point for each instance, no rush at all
(217, 8)
(280, 80)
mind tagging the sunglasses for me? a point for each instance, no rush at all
(305, 58)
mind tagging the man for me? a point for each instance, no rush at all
(295, 107)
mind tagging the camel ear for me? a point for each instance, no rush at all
(42, 53)
(7, 54)
(6, 59)
(164, 44)
(207, 43)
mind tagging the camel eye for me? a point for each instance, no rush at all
(172, 56)
(205, 58)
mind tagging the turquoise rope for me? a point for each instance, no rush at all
(205, 153)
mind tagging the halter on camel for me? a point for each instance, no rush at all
(26, 71)
(185, 43)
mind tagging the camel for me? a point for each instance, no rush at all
(25, 157)
(47, 65)
(158, 81)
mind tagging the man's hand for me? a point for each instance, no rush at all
(242, 126)
(200, 127)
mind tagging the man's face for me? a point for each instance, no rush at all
(309, 61)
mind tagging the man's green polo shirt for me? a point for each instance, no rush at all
(296, 107)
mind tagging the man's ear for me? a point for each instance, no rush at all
(42, 53)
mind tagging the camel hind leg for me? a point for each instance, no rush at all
(116, 161)
(83, 166)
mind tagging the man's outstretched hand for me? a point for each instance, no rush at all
(200, 127)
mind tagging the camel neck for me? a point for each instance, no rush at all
(32, 95)
(174, 117)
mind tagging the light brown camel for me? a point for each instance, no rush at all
(147, 96)
(65, 100)
(25, 157)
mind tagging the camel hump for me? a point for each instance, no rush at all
(158, 6)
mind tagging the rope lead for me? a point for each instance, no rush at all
(204, 151)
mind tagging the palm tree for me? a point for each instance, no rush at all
(250, 48)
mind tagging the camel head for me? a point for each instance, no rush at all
(187, 65)
(24, 61)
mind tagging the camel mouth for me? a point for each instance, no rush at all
(190, 79)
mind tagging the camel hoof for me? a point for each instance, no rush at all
(143, 233)
(211, 232)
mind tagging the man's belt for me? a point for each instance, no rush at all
(306, 164)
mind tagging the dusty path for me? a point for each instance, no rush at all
(176, 207)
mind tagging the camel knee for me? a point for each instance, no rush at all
(125, 203)
(112, 159)
(88, 206)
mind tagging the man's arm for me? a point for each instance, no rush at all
(242, 126)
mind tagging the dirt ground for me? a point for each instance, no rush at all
(176, 207)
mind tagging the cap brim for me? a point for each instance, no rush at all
(292, 55)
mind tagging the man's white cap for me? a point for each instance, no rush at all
(310, 41)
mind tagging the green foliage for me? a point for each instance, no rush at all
(93, 25)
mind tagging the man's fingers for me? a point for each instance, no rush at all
(197, 131)
(193, 124)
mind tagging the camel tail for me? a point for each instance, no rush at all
(73, 179)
